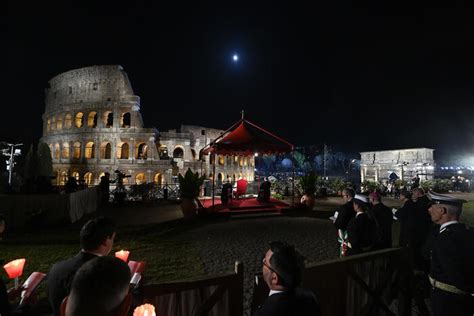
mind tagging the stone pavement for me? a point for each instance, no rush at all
(222, 244)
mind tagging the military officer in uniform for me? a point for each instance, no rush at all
(451, 249)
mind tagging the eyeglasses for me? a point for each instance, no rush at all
(264, 262)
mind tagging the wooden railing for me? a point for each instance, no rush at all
(358, 285)
(220, 295)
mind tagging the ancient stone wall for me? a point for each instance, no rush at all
(92, 124)
(405, 163)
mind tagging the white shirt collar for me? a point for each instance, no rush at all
(447, 224)
(358, 213)
(94, 253)
(274, 292)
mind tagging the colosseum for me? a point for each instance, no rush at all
(92, 124)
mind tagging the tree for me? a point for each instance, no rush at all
(45, 161)
(31, 165)
(299, 158)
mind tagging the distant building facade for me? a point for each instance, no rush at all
(92, 124)
(404, 163)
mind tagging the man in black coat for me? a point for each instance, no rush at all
(414, 230)
(422, 203)
(345, 214)
(282, 271)
(361, 230)
(383, 218)
(346, 211)
(451, 249)
(226, 193)
(97, 238)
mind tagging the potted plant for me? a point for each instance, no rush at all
(189, 187)
(308, 184)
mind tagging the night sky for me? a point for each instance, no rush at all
(358, 76)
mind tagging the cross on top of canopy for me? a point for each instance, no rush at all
(246, 138)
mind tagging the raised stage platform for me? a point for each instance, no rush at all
(245, 206)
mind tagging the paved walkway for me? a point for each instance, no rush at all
(247, 240)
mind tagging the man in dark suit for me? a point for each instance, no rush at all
(97, 238)
(226, 193)
(383, 217)
(283, 271)
(451, 249)
(361, 230)
(345, 214)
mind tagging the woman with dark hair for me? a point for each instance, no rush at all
(362, 228)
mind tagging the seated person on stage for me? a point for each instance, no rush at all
(226, 193)
(240, 188)
(99, 287)
(283, 271)
(97, 238)
(264, 192)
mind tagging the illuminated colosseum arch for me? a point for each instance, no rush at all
(92, 119)
(76, 175)
(140, 178)
(90, 150)
(89, 178)
(77, 150)
(125, 120)
(108, 119)
(221, 160)
(123, 151)
(68, 120)
(48, 125)
(79, 119)
(178, 152)
(57, 151)
(105, 150)
(65, 151)
(158, 178)
(53, 123)
(141, 151)
(63, 178)
(59, 123)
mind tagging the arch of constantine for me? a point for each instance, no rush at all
(92, 124)
(404, 163)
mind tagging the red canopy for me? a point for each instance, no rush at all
(247, 139)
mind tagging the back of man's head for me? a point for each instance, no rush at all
(95, 232)
(99, 287)
(288, 263)
(349, 192)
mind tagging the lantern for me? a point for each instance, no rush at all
(122, 255)
(144, 310)
(14, 269)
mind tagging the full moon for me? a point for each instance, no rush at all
(235, 57)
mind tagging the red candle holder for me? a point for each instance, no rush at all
(122, 255)
(14, 269)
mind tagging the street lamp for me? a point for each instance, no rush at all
(11, 152)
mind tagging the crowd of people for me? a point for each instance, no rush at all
(441, 249)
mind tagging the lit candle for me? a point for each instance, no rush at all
(14, 270)
(122, 255)
(144, 310)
